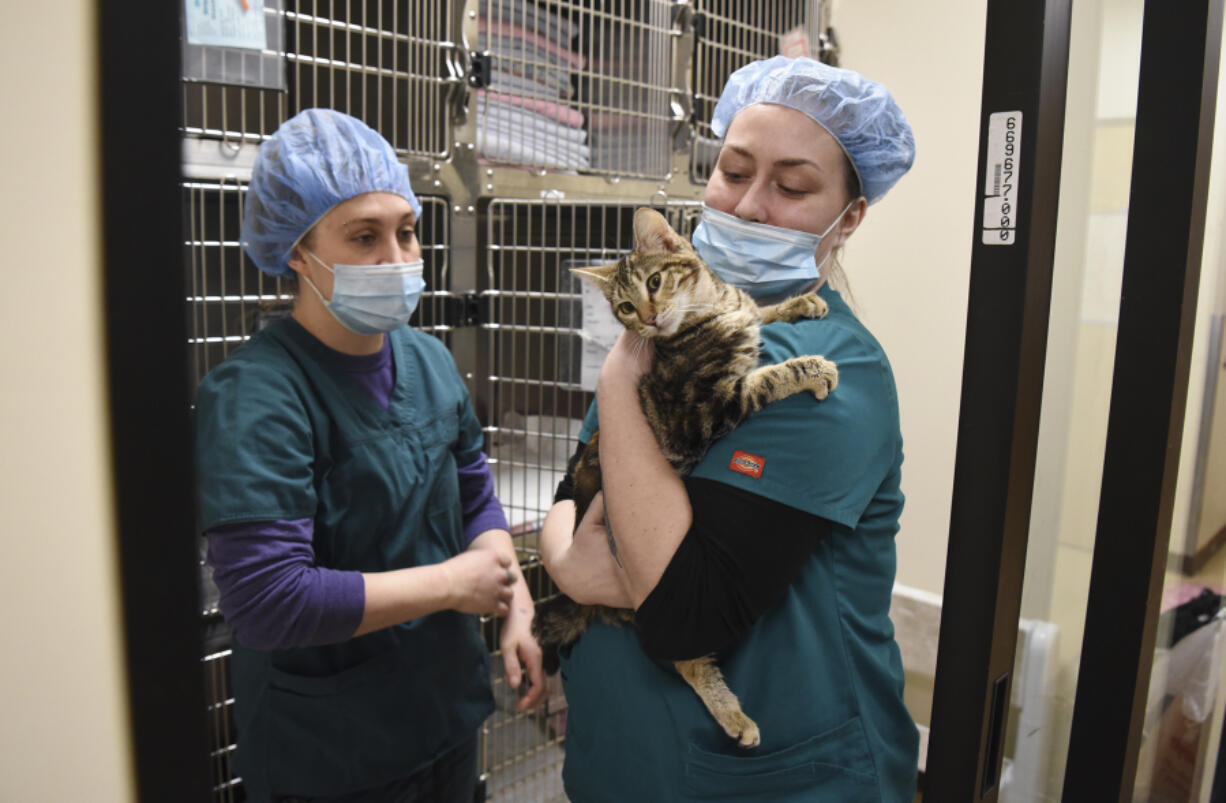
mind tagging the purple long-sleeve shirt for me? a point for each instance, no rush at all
(274, 596)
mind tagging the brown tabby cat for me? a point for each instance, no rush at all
(704, 379)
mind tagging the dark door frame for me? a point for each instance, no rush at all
(146, 328)
(1176, 100)
(1025, 71)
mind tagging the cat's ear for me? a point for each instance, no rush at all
(601, 275)
(653, 235)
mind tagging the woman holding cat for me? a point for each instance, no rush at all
(352, 526)
(776, 553)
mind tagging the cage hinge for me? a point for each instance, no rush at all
(699, 22)
(479, 70)
(466, 309)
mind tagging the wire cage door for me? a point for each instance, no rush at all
(533, 393)
(731, 33)
(576, 85)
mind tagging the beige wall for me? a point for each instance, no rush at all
(65, 732)
(909, 264)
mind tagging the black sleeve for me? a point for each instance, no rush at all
(739, 557)
(566, 488)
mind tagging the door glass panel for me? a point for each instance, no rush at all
(1104, 60)
(1184, 710)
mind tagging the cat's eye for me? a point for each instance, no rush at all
(625, 308)
(653, 282)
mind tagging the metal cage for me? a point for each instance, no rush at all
(532, 130)
(732, 33)
(576, 85)
(392, 65)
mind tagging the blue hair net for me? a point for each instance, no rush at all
(314, 161)
(860, 114)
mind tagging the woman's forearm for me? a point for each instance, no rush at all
(403, 595)
(482, 579)
(647, 505)
(580, 562)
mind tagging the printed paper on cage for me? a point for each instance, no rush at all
(600, 331)
(226, 23)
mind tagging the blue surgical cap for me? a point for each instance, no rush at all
(860, 114)
(315, 160)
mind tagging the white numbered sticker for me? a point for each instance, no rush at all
(1000, 202)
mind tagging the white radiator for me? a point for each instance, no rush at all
(917, 624)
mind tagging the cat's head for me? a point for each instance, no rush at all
(660, 285)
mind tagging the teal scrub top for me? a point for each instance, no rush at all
(284, 433)
(820, 673)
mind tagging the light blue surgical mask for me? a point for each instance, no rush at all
(768, 262)
(372, 299)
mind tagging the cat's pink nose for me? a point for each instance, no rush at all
(650, 321)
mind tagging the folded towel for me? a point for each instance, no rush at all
(501, 147)
(507, 47)
(520, 122)
(505, 30)
(505, 81)
(531, 17)
(555, 111)
(557, 81)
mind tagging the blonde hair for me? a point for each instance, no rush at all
(836, 277)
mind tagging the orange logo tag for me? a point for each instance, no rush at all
(748, 464)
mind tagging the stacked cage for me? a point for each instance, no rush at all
(532, 130)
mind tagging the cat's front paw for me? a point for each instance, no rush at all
(795, 309)
(822, 376)
(812, 306)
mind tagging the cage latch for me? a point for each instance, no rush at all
(479, 71)
(465, 309)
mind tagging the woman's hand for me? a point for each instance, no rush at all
(628, 360)
(582, 564)
(519, 647)
(480, 581)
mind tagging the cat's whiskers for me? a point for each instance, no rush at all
(638, 347)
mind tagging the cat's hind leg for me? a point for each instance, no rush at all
(810, 305)
(708, 682)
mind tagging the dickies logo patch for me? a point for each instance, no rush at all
(748, 464)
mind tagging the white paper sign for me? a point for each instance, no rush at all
(599, 332)
(226, 23)
(1000, 203)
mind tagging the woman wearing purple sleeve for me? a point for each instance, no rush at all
(353, 530)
